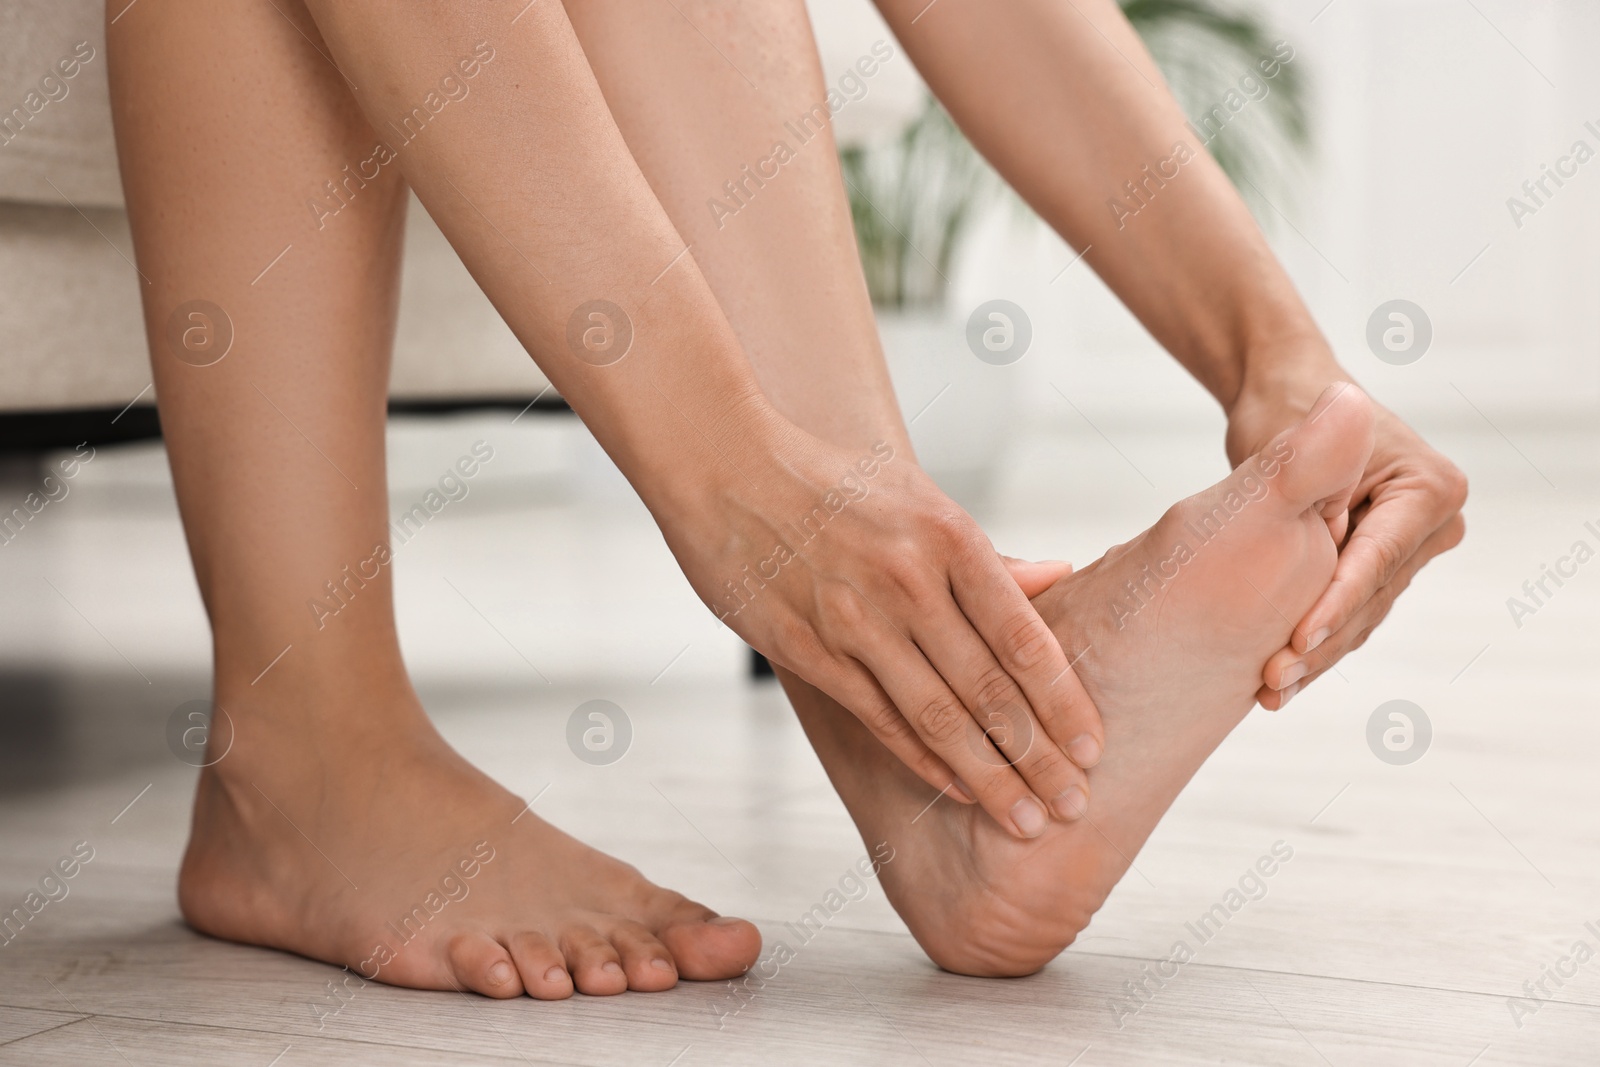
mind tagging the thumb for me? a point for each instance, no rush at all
(1034, 578)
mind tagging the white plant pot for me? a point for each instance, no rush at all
(960, 409)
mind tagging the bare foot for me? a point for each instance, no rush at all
(1172, 629)
(395, 857)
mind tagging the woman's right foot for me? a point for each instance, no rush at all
(1170, 632)
(391, 855)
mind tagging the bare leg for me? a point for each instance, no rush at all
(1172, 673)
(784, 268)
(338, 810)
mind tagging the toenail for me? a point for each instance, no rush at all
(1029, 817)
(1084, 750)
(500, 973)
(1072, 803)
(612, 967)
(556, 974)
(1292, 674)
(1316, 639)
(661, 965)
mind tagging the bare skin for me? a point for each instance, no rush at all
(335, 779)
(338, 806)
(1172, 672)
(1192, 266)
(333, 754)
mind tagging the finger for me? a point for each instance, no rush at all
(1034, 578)
(1028, 652)
(1288, 666)
(858, 692)
(1386, 538)
(1278, 699)
(1009, 731)
(946, 726)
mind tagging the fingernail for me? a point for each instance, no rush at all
(556, 974)
(1316, 639)
(1029, 817)
(1293, 673)
(661, 965)
(1084, 750)
(611, 967)
(1287, 695)
(959, 790)
(1071, 804)
(724, 920)
(500, 973)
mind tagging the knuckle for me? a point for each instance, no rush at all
(1390, 554)
(1042, 763)
(842, 607)
(959, 535)
(908, 573)
(942, 721)
(1025, 641)
(996, 690)
(1454, 485)
(886, 722)
(797, 639)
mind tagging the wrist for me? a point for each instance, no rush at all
(697, 455)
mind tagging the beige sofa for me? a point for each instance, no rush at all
(71, 335)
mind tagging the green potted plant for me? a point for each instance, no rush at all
(915, 193)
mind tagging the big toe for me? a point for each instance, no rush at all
(712, 949)
(1318, 462)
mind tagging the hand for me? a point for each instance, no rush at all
(856, 573)
(1406, 510)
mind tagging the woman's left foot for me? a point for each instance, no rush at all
(1170, 632)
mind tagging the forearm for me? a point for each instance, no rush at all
(1062, 97)
(525, 171)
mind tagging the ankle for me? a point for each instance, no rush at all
(315, 720)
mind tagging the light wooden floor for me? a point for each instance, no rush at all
(1418, 899)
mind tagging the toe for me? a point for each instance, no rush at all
(540, 963)
(708, 947)
(595, 965)
(645, 960)
(482, 964)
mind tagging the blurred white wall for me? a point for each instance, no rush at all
(1428, 115)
